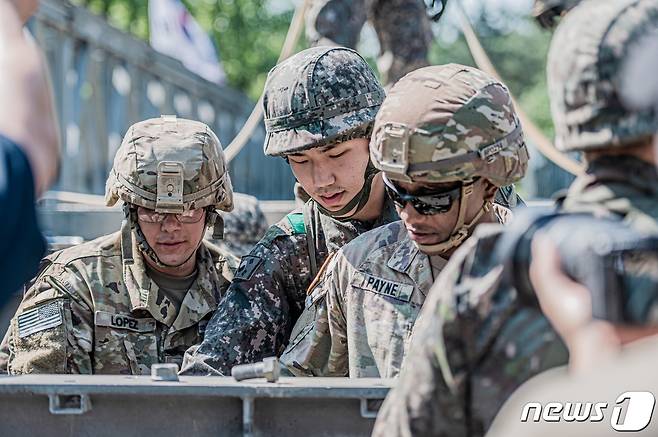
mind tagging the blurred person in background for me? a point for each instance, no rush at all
(402, 26)
(243, 227)
(29, 145)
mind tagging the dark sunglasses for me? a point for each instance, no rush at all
(425, 204)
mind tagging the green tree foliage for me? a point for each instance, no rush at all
(248, 34)
(519, 57)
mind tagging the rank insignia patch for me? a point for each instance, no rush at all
(247, 267)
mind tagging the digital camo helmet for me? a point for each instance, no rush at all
(450, 123)
(169, 165)
(589, 78)
(320, 97)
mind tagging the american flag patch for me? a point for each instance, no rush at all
(38, 319)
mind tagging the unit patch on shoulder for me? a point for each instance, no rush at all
(385, 287)
(296, 221)
(43, 317)
(122, 321)
(247, 267)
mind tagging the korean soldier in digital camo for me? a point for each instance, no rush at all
(446, 138)
(319, 109)
(142, 295)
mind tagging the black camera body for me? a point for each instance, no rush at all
(618, 264)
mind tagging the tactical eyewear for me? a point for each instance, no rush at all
(426, 204)
(150, 216)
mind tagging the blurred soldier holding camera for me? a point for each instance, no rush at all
(477, 341)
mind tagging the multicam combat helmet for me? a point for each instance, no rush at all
(320, 97)
(546, 11)
(588, 74)
(169, 165)
(449, 123)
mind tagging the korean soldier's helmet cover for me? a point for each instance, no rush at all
(589, 79)
(449, 123)
(320, 97)
(169, 165)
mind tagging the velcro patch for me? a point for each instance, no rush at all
(43, 317)
(385, 287)
(248, 266)
(122, 321)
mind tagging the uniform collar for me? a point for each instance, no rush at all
(336, 233)
(200, 299)
(408, 259)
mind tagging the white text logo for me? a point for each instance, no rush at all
(632, 411)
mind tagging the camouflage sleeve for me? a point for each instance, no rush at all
(472, 347)
(52, 331)
(422, 403)
(253, 319)
(318, 344)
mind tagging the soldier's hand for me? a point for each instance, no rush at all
(566, 303)
(568, 306)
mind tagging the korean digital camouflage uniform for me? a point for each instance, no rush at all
(319, 97)
(441, 124)
(93, 308)
(475, 344)
(402, 27)
(244, 226)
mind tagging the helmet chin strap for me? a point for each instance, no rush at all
(462, 230)
(129, 224)
(358, 201)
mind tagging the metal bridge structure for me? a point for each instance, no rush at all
(104, 80)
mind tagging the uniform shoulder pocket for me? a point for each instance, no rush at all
(39, 339)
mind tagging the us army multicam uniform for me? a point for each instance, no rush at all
(87, 312)
(476, 344)
(361, 312)
(320, 97)
(472, 347)
(402, 27)
(94, 308)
